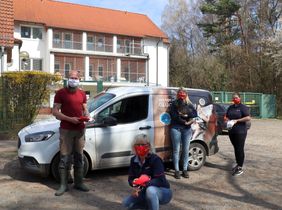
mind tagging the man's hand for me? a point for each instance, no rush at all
(74, 120)
(84, 119)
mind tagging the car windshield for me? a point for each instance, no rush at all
(98, 100)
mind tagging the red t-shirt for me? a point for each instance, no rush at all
(71, 105)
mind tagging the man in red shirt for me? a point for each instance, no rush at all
(69, 107)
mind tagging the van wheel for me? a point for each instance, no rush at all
(197, 156)
(55, 167)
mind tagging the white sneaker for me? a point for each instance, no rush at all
(234, 167)
(238, 171)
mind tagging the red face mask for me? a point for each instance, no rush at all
(236, 100)
(182, 95)
(142, 149)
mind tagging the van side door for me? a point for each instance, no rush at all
(113, 143)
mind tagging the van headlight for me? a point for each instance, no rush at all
(40, 136)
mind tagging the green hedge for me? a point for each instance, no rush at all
(21, 95)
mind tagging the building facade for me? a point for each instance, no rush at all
(117, 47)
(6, 32)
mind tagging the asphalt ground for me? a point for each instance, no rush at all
(212, 187)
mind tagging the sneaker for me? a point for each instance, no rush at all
(234, 168)
(185, 174)
(177, 175)
(238, 171)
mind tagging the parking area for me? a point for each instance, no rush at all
(212, 187)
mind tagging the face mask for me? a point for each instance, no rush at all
(181, 95)
(236, 100)
(73, 83)
(142, 150)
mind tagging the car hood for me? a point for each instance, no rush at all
(43, 125)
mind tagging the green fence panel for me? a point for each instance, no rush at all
(261, 105)
(268, 108)
(253, 100)
(99, 86)
(218, 96)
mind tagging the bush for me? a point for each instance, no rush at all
(22, 95)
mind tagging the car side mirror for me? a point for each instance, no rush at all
(109, 121)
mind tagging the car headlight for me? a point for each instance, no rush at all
(40, 136)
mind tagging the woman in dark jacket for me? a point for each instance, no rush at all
(237, 115)
(182, 113)
(147, 177)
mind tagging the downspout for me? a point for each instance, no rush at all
(2, 59)
(20, 45)
(168, 48)
(147, 70)
(157, 62)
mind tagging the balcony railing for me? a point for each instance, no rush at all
(130, 50)
(67, 44)
(133, 77)
(99, 47)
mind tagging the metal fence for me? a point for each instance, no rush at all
(10, 120)
(261, 105)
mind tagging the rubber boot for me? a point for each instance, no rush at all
(63, 182)
(78, 176)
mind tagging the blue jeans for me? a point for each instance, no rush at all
(180, 135)
(150, 198)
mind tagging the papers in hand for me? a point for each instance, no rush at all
(230, 124)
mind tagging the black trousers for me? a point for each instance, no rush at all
(238, 142)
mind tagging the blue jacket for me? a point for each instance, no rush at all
(178, 119)
(153, 167)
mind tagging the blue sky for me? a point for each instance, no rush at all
(152, 8)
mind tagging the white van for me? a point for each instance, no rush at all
(118, 115)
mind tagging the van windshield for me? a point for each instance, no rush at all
(98, 100)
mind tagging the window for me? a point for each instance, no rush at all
(31, 64)
(98, 100)
(118, 44)
(100, 42)
(128, 110)
(90, 39)
(57, 67)
(25, 64)
(37, 64)
(127, 46)
(91, 71)
(56, 39)
(100, 71)
(67, 69)
(25, 32)
(31, 32)
(126, 74)
(90, 43)
(37, 33)
(67, 40)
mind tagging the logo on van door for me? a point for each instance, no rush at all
(165, 118)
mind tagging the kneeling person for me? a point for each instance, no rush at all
(147, 177)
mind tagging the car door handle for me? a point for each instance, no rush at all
(145, 128)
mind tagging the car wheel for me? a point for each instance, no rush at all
(197, 156)
(55, 167)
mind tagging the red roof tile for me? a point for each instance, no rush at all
(6, 23)
(85, 18)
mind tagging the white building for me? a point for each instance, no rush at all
(117, 47)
